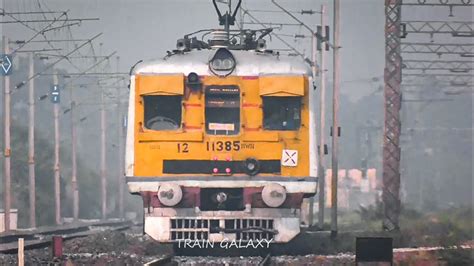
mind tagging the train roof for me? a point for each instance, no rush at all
(248, 63)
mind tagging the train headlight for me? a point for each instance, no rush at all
(251, 166)
(222, 63)
(221, 197)
(183, 45)
(193, 78)
(193, 82)
(274, 195)
(261, 45)
(170, 194)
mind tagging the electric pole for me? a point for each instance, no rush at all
(314, 74)
(103, 151)
(57, 173)
(7, 151)
(121, 176)
(31, 144)
(335, 122)
(103, 155)
(322, 117)
(120, 147)
(74, 185)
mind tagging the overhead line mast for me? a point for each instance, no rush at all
(30, 82)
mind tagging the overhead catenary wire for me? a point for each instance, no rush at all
(304, 25)
(49, 20)
(278, 37)
(38, 32)
(302, 12)
(4, 12)
(42, 12)
(41, 41)
(89, 74)
(62, 26)
(84, 73)
(42, 34)
(40, 29)
(56, 62)
(41, 50)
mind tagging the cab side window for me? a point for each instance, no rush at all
(162, 112)
(281, 113)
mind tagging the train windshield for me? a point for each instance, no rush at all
(281, 113)
(222, 110)
(162, 112)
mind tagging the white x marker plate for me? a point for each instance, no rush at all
(289, 158)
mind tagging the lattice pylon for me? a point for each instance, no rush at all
(392, 125)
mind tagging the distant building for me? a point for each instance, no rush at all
(353, 188)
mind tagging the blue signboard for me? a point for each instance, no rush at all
(6, 64)
(55, 94)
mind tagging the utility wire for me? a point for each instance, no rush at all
(49, 43)
(318, 35)
(50, 20)
(90, 68)
(62, 26)
(38, 33)
(278, 37)
(57, 61)
(3, 12)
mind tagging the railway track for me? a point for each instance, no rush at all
(266, 260)
(170, 260)
(111, 242)
(165, 260)
(39, 238)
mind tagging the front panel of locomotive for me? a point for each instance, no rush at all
(220, 144)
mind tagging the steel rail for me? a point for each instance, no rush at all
(41, 237)
(164, 260)
(266, 260)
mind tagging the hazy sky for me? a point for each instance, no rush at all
(145, 29)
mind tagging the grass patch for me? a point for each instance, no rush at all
(447, 227)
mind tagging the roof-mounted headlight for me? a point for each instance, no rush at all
(193, 82)
(261, 45)
(222, 63)
(183, 45)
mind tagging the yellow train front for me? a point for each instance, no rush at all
(221, 143)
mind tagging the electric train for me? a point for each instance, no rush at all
(221, 139)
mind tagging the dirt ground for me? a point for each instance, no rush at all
(132, 248)
(106, 248)
(443, 229)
